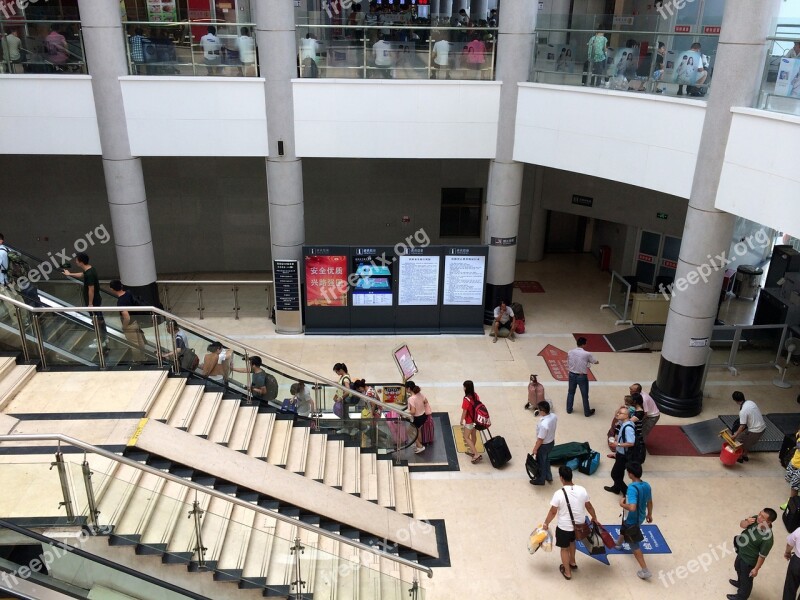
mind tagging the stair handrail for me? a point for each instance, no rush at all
(193, 327)
(86, 447)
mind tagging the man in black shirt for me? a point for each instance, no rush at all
(130, 327)
(91, 291)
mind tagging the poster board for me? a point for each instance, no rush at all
(405, 362)
(463, 289)
(788, 80)
(372, 289)
(325, 272)
(418, 284)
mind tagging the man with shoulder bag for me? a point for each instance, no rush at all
(571, 504)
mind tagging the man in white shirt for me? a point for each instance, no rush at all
(441, 58)
(247, 51)
(577, 498)
(382, 54)
(578, 361)
(751, 424)
(11, 49)
(545, 440)
(503, 319)
(212, 50)
(651, 412)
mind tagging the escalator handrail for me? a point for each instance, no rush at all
(86, 447)
(192, 327)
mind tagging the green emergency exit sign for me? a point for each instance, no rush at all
(662, 216)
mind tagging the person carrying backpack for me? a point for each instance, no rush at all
(130, 326)
(469, 415)
(626, 439)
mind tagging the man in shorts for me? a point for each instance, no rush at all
(573, 498)
(503, 319)
(638, 503)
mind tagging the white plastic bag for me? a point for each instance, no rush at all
(540, 538)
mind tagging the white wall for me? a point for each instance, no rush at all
(195, 116)
(760, 176)
(47, 114)
(640, 139)
(396, 118)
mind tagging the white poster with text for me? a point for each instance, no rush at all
(418, 281)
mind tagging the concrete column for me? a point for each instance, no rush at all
(435, 7)
(480, 10)
(447, 9)
(707, 231)
(104, 39)
(277, 56)
(514, 52)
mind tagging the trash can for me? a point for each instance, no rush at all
(605, 258)
(745, 285)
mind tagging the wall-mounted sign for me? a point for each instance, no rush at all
(582, 200)
(623, 20)
(698, 342)
(286, 274)
(646, 258)
(161, 10)
(710, 29)
(670, 264)
(662, 216)
(498, 241)
(463, 280)
(418, 280)
(683, 28)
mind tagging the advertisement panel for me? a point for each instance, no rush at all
(326, 280)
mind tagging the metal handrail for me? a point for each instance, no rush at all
(213, 335)
(613, 31)
(60, 437)
(465, 28)
(213, 281)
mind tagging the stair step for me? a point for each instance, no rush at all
(315, 457)
(223, 422)
(402, 490)
(117, 494)
(215, 523)
(167, 399)
(297, 454)
(262, 432)
(386, 496)
(259, 551)
(237, 539)
(334, 462)
(281, 564)
(369, 476)
(7, 363)
(13, 381)
(115, 356)
(182, 544)
(171, 508)
(187, 407)
(351, 470)
(130, 525)
(243, 428)
(204, 417)
(279, 442)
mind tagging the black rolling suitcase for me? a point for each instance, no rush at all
(496, 448)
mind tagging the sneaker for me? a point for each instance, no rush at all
(644, 574)
(419, 450)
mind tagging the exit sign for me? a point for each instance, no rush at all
(662, 216)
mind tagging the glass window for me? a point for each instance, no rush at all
(461, 211)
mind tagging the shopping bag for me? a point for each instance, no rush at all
(532, 467)
(608, 539)
(594, 543)
(540, 538)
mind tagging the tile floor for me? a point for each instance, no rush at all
(489, 513)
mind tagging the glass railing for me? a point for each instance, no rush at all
(646, 62)
(36, 47)
(236, 540)
(216, 49)
(396, 52)
(71, 570)
(191, 296)
(780, 84)
(736, 347)
(71, 336)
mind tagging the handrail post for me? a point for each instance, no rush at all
(100, 349)
(236, 302)
(365, 53)
(167, 305)
(298, 584)
(197, 514)
(784, 331)
(87, 482)
(159, 358)
(414, 591)
(22, 338)
(176, 364)
(199, 291)
(61, 467)
(37, 332)
(734, 350)
(248, 378)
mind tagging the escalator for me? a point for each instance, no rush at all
(58, 335)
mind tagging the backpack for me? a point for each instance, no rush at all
(791, 514)
(189, 359)
(787, 450)
(589, 464)
(637, 452)
(480, 415)
(519, 325)
(17, 267)
(519, 312)
(272, 387)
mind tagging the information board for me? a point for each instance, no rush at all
(286, 276)
(463, 280)
(418, 280)
(373, 286)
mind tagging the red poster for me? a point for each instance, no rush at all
(710, 29)
(326, 281)
(646, 258)
(683, 28)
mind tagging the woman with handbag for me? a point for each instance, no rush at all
(570, 504)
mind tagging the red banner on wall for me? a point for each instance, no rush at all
(683, 28)
(326, 281)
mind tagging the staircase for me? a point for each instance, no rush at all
(152, 529)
